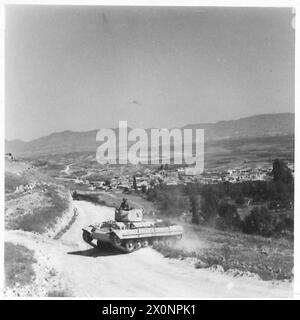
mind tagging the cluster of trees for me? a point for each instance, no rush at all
(262, 221)
(216, 204)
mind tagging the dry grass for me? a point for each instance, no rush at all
(35, 209)
(270, 258)
(59, 293)
(67, 227)
(18, 265)
(12, 181)
(44, 216)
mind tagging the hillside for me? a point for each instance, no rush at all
(255, 126)
(33, 200)
(70, 141)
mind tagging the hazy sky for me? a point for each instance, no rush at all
(83, 68)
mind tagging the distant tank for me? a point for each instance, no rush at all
(130, 232)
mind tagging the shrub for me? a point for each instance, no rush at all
(259, 221)
(284, 222)
(281, 172)
(228, 217)
(240, 200)
(209, 205)
(195, 208)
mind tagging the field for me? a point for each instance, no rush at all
(247, 152)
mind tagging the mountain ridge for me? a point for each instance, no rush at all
(78, 141)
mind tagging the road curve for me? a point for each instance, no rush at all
(90, 272)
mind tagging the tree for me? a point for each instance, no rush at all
(134, 183)
(229, 216)
(240, 200)
(260, 221)
(237, 195)
(281, 172)
(195, 208)
(209, 205)
(227, 187)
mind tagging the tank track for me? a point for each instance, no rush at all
(131, 245)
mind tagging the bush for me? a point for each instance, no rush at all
(281, 172)
(259, 221)
(240, 200)
(209, 205)
(284, 222)
(228, 218)
(195, 208)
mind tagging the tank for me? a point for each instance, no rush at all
(130, 232)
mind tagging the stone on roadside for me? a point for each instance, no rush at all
(201, 264)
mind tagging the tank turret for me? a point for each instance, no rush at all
(132, 215)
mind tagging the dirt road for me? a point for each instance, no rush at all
(89, 272)
(67, 169)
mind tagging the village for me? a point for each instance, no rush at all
(142, 181)
(145, 179)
